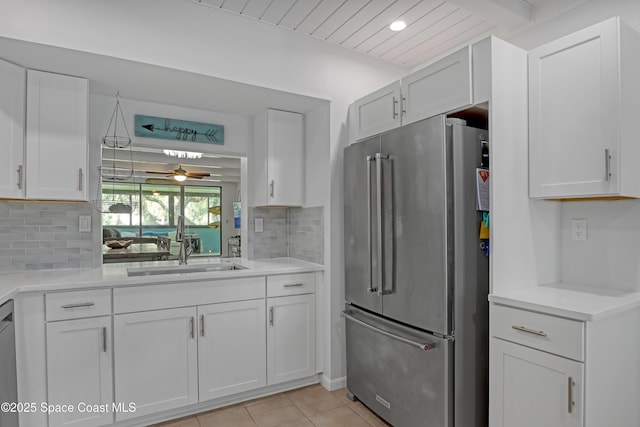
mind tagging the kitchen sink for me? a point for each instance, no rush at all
(181, 269)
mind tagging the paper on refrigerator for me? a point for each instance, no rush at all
(483, 184)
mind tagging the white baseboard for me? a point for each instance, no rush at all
(333, 384)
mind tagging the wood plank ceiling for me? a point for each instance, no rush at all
(433, 26)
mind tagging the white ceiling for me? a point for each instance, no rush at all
(434, 26)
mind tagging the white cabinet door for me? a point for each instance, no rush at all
(156, 360)
(79, 371)
(12, 119)
(290, 338)
(231, 348)
(56, 138)
(438, 88)
(575, 114)
(531, 388)
(279, 159)
(376, 112)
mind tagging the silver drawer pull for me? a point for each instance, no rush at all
(529, 331)
(293, 285)
(79, 305)
(571, 402)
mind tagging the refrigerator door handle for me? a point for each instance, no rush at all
(422, 346)
(379, 207)
(371, 288)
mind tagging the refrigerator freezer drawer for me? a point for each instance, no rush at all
(401, 374)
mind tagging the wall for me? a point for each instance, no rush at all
(238, 136)
(243, 51)
(45, 236)
(291, 232)
(611, 255)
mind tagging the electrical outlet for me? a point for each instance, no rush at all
(84, 224)
(578, 229)
(258, 225)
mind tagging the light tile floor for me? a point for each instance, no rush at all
(305, 407)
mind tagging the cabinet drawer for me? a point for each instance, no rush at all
(77, 304)
(158, 297)
(291, 284)
(552, 334)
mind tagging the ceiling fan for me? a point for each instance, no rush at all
(180, 174)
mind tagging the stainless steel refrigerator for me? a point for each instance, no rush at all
(416, 280)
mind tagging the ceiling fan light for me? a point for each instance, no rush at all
(398, 26)
(180, 178)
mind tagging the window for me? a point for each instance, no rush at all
(156, 209)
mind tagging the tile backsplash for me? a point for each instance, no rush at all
(45, 236)
(292, 232)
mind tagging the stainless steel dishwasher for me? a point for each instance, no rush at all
(8, 377)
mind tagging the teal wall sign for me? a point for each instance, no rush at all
(181, 130)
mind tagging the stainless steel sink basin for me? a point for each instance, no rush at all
(181, 269)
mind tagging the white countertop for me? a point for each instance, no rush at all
(571, 301)
(115, 275)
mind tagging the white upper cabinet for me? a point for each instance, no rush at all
(583, 107)
(279, 159)
(376, 112)
(444, 86)
(12, 104)
(56, 137)
(438, 88)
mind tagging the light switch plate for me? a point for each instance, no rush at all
(259, 225)
(84, 224)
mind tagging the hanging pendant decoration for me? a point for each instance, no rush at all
(116, 165)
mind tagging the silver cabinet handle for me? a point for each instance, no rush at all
(570, 403)
(293, 285)
(607, 164)
(272, 188)
(403, 100)
(79, 305)
(422, 346)
(371, 288)
(80, 184)
(395, 113)
(192, 327)
(19, 170)
(271, 316)
(529, 331)
(202, 325)
(104, 339)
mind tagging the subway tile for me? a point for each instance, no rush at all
(23, 244)
(12, 252)
(39, 236)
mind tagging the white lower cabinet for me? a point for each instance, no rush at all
(534, 388)
(290, 338)
(165, 359)
(576, 370)
(156, 360)
(231, 348)
(79, 371)
(142, 350)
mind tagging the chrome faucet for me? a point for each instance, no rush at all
(184, 252)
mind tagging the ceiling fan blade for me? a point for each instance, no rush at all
(161, 173)
(197, 175)
(160, 181)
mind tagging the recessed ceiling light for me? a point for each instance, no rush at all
(398, 25)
